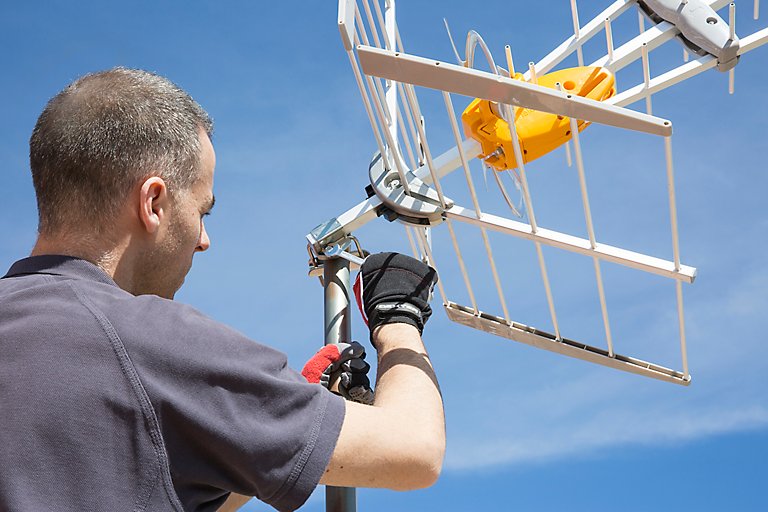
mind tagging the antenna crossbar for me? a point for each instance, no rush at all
(541, 339)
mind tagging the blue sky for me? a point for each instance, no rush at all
(526, 429)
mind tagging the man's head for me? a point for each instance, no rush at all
(126, 150)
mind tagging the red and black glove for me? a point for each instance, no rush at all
(344, 362)
(394, 288)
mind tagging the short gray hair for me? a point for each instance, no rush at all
(102, 135)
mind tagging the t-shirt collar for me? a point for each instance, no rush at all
(58, 265)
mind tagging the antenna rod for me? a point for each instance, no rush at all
(576, 31)
(371, 23)
(591, 232)
(414, 251)
(609, 38)
(508, 116)
(478, 213)
(510, 63)
(388, 26)
(421, 238)
(366, 101)
(462, 267)
(732, 28)
(647, 79)
(568, 159)
(732, 21)
(390, 96)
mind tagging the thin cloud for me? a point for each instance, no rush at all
(621, 428)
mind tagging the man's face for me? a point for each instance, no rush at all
(166, 265)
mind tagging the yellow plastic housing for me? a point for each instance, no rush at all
(538, 132)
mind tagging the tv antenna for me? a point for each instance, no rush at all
(514, 117)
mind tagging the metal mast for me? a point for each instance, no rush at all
(336, 295)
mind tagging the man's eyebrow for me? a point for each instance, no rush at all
(212, 202)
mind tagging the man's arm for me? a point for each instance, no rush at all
(399, 441)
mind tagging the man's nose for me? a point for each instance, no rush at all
(204, 242)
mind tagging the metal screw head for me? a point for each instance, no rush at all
(711, 20)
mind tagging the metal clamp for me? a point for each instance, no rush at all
(338, 249)
(421, 207)
(702, 30)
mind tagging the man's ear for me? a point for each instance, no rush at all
(153, 203)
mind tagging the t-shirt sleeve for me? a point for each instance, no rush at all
(233, 415)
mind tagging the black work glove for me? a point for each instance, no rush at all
(396, 289)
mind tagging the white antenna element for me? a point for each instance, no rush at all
(509, 117)
(575, 16)
(510, 63)
(391, 94)
(732, 37)
(425, 246)
(567, 144)
(647, 78)
(414, 251)
(609, 38)
(591, 232)
(420, 201)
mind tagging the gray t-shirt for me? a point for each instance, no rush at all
(110, 401)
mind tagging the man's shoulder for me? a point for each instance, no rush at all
(154, 316)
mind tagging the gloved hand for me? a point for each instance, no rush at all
(344, 362)
(394, 288)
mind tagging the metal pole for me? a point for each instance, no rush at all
(336, 295)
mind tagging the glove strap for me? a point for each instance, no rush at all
(398, 308)
(397, 312)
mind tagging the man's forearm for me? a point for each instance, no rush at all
(404, 370)
(399, 441)
(407, 387)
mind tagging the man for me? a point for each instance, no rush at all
(115, 397)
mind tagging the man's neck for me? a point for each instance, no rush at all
(83, 247)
